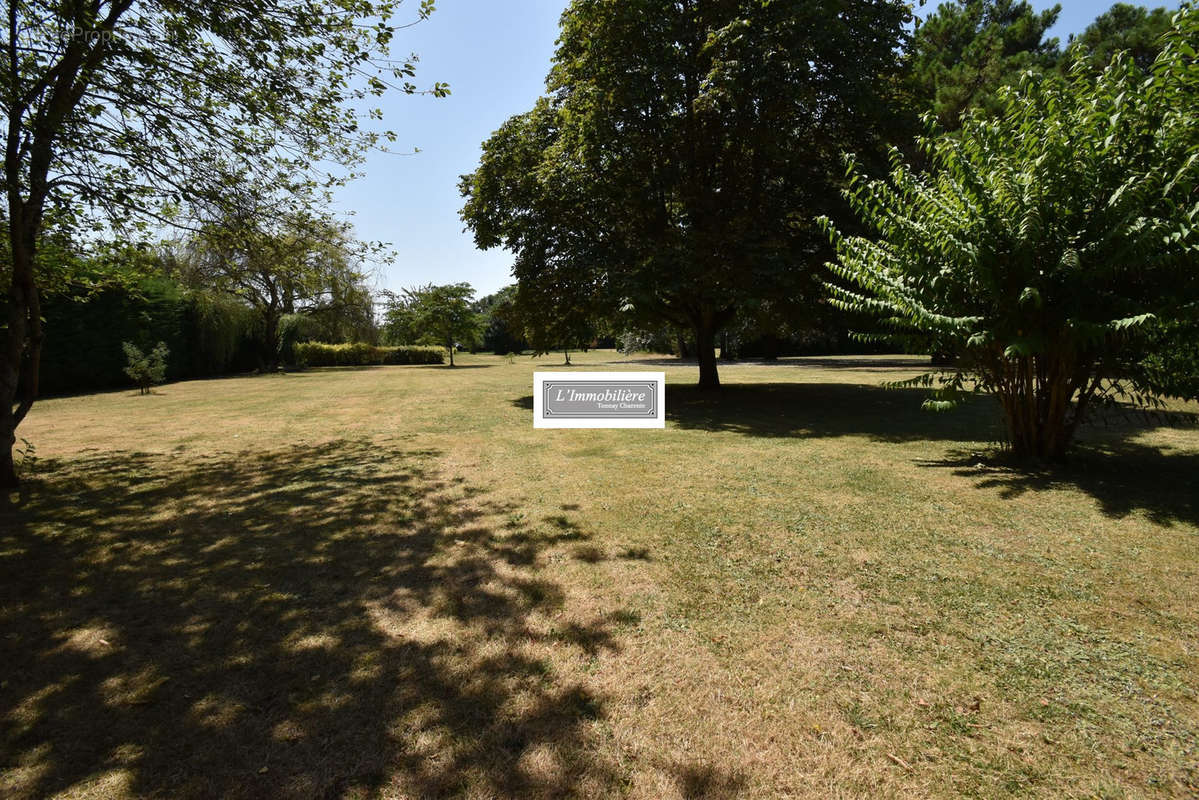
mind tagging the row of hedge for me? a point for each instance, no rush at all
(207, 335)
(359, 354)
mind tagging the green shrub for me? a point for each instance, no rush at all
(360, 354)
(413, 354)
(1047, 248)
(146, 369)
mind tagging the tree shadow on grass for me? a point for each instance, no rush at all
(698, 781)
(820, 410)
(326, 621)
(454, 368)
(1123, 476)
(828, 409)
(1108, 463)
(860, 364)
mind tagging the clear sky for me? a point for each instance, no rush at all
(495, 56)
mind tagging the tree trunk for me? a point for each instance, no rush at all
(1037, 407)
(450, 346)
(268, 358)
(705, 350)
(21, 342)
(1034, 439)
(566, 353)
(8, 469)
(682, 345)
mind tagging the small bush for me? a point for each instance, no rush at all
(360, 354)
(146, 369)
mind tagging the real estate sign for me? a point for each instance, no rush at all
(599, 399)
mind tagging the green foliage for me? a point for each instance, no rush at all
(502, 333)
(1135, 29)
(1171, 366)
(683, 150)
(630, 341)
(206, 94)
(551, 323)
(966, 49)
(221, 332)
(401, 321)
(84, 349)
(293, 329)
(26, 457)
(146, 369)
(360, 354)
(305, 267)
(1046, 245)
(208, 333)
(123, 113)
(442, 314)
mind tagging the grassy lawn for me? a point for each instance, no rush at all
(384, 582)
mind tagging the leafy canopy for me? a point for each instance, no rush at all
(125, 106)
(122, 111)
(1047, 243)
(146, 369)
(444, 314)
(683, 150)
(1123, 27)
(966, 49)
(304, 274)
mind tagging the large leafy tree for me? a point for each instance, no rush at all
(441, 314)
(552, 317)
(502, 334)
(533, 195)
(1123, 27)
(295, 264)
(682, 150)
(967, 49)
(1049, 243)
(118, 108)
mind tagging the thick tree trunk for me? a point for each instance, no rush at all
(1038, 439)
(705, 350)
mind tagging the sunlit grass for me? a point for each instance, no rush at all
(384, 581)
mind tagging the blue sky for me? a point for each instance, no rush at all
(495, 56)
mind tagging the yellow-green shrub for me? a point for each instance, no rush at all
(360, 354)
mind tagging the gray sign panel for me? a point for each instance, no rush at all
(633, 399)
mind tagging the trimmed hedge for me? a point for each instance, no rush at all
(360, 354)
(84, 335)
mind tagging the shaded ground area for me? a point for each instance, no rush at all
(797, 409)
(807, 410)
(1123, 476)
(1108, 464)
(313, 621)
(881, 364)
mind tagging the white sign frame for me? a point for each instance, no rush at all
(598, 420)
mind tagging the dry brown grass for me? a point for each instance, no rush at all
(383, 582)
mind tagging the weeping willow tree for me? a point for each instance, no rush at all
(1046, 247)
